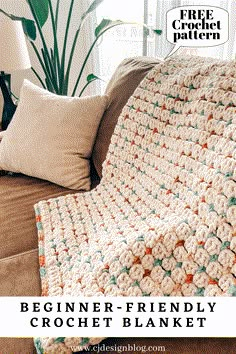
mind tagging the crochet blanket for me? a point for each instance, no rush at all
(163, 219)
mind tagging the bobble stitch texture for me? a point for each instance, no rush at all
(162, 222)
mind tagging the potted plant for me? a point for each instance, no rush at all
(56, 62)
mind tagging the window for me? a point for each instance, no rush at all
(130, 40)
(125, 40)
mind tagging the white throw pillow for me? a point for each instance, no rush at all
(51, 137)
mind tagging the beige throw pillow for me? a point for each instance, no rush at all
(51, 137)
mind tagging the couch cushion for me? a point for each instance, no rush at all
(19, 275)
(122, 84)
(18, 194)
(17, 197)
(17, 345)
(52, 137)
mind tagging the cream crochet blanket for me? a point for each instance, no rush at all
(163, 219)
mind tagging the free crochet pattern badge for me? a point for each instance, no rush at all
(196, 26)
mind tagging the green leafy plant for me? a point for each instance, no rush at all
(56, 62)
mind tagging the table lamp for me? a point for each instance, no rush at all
(13, 56)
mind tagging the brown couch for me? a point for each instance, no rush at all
(19, 272)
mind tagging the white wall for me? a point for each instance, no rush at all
(20, 8)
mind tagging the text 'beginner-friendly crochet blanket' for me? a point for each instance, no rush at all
(163, 219)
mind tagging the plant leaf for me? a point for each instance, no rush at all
(41, 10)
(57, 13)
(105, 24)
(28, 25)
(29, 28)
(92, 77)
(91, 8)
(159, 32)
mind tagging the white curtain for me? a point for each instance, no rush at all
(121, 41)
(127, 41)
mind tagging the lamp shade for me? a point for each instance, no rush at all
(13, 49)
